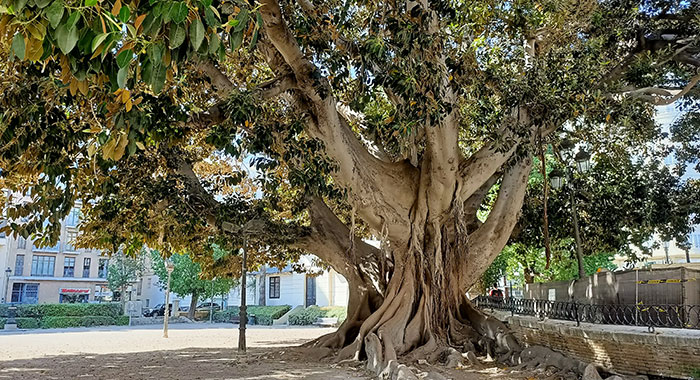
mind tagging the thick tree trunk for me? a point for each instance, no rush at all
(193, 306)
(423, 309)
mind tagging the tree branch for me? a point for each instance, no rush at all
(662, 96)
(382, 192)
(489, 239)
(358, 263)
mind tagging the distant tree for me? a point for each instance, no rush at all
(187, 279)
(622, 205)
(124, 270)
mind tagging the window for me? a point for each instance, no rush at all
(43, 265)
(73, 218)
(102, 268)
(69, 267)
(71, 236)
(275, 287)
(25, 293)
(86, 267)
(19, 265)
(21, 243)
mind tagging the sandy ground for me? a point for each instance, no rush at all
(193, 351)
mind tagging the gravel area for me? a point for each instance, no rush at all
(193, 351)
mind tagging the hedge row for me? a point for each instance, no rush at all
(264, 315)
(112, 310)
(2, 323)
(52, 322)
(309, 315)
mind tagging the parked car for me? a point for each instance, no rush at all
(206, 306)
(157, 311)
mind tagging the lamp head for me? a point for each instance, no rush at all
(556, 177)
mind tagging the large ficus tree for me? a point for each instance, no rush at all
(395, 117)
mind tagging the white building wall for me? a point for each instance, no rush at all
(292, 290)
(341, 293)
(234, 296)
(5, 262)
(324, 289)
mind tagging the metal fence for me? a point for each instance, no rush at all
(675, 316)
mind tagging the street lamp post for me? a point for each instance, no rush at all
(243, 311)
(7, 283)
(666, 244)
(582, 159)
(211, 304)
(169, 266)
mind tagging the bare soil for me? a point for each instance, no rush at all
(193, 351)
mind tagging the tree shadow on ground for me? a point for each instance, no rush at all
(192, 363)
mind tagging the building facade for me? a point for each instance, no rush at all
(58, 274)
(285, 287)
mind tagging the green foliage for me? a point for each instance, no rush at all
(264, 315)
(54, 322)
(187, 277)
(2, 323)
(111, 310)
(68, 315)
(28, 323)
(340, 312)
(124, 270)
(307, 316)
(529, 264)
(4, 310)
(122, 320)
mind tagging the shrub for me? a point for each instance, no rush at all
(2, 323)
(4, 311)
(264, 315)
(27, 323)
(52, 322)
(122, 320)
(70, 310)
(306, 316)
(339, 312)
(59, 322)
(226, 315)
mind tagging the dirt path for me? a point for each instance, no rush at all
(191, 352)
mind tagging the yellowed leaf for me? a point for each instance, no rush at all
(73, 87)
(139, 21)
(117, 7)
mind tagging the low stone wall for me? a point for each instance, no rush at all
(624, 349)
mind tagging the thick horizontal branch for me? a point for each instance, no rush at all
(661, 96)
(330, 240)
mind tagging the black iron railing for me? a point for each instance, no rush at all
(675, 316)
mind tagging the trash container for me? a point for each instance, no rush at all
(251, 319)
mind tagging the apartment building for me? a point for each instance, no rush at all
(58, 274)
